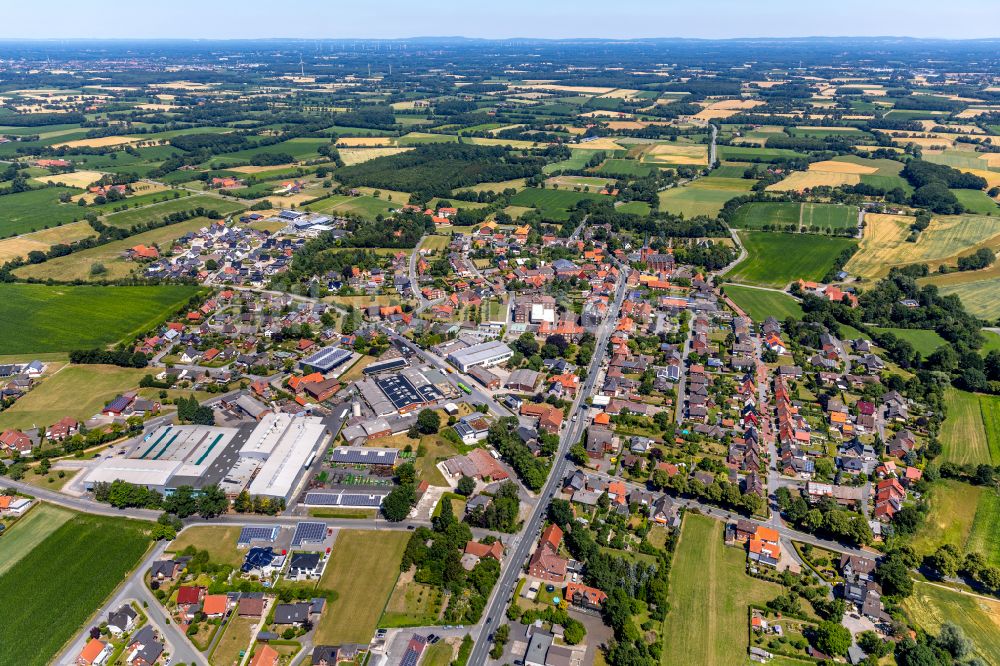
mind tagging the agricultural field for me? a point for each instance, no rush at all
(759, 304)
(553, 204)
(79, 391)
(971, 430)
(78, 266)
(362, 583)
(157, 211)
(752, 154)
(103, 551)
(976, 201)
(924, 341)
(703, 196)
(25, 212)
(41, 241)
(365, 206)
(884, 243)
(758, 214)
(578, 160)
(301, 148)
(931, 605)
(776, 259)
(985, 534)
(799, 181)
(29, 531)
(709, 598)
(670, 153)
(952, 511)
(41, 318)
(624, 168)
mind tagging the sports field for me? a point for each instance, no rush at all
(964, 437)
(709, 598)
(775, 259)
(40, 318)
(79, 391)
(73, 570)
(761, 304)
(362, 582)
(32, 529)
(930, 606)
(704, 196)
(923, 340)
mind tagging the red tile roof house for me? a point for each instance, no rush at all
(94, 653)
(481, 550)
(61, 429)
(188, 598)
(582, 595)
(15, 440)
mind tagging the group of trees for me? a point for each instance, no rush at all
(119, 357)
(933, 183)
(397, 504)
(720, 493)
(826, 517)
(503, 437)
(502, 512)
(185, 501)
(191, 411)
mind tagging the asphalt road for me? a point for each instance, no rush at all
(508, 579)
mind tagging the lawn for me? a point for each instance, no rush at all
(976, 201)
(79, 391)
(709, 597)
(364, 206)
(776, 259)
(923, 340)
(73, 570)
(413, 604)
(439, 654)
(931, 606)
(704, 196)
(963, 434)
(759, 213)
(435, 242)
(952, 511)
(236, 639)
(362, 582)
(985, 535)
(40, 318)
(760, 304)
(220, 542)
(32, 529)
(127, 219)
(77, 266)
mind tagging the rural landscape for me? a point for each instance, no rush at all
(453, 351)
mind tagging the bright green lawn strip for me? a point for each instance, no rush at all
(923, 340)
(985, 535)
(761, 304)
(963, 435)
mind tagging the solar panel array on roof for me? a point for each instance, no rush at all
(257, 533)
(363, 455)
(384, 366)
(309, 533)
(257, 558)
(326, 359)
(330, 498)
(400, 391)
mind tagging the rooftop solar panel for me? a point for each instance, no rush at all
(258, 533)
(364, 500)
(309, 533)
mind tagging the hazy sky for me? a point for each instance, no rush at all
(500, 18)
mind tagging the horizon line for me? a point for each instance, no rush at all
(499, 39)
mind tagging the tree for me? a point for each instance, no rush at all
(428, 422)
(944, 561)
(397, 504)
(406, 474)
(832, 638)
(182, 502)
(560, 512)
(873, 644)
(952, 638)
(466, 486)
(894, 576)
(212, 501)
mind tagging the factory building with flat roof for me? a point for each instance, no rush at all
(483, 355)
(286, 444)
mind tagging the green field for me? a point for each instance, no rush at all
(776, 259)
(978, 296)
(300, 148)
(931, 606)
(67, 576)
(634, 208)
(365, 206)
(757, 214)
(748, 154)
(709, 598)
(829, 216)
(985, 534)
(553, 204)
(761, 304)
(220, 542)
(32, 529)
(963, 434)
(129, 218)
(79, 391)
(77, 266)
(976, 201)
(362, 582)
(952, 511)
(625, 168)
(923, 340)
(578, 160)
(703, 196)
(24, 212)
(40, 318)
(989, 406)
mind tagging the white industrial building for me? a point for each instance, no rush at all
(286, 444)
(484, 355)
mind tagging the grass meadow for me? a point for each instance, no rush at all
(776, 259)
(930, 606)
(704, 196)
(761, 304)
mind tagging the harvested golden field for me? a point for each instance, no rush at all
(833, 166)
(99, 142)
(798, 181)
(627, 124)
(671, 153)
(583, 90)
(884, 244)
(358, 155)
(20, 246)
(365, 141)
(605, 113)
(79, 179)
(923, 142)
(602, 143)
(621, 93)
(259, 169)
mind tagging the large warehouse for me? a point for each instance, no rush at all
(172, 456)
(484, 355)
(286, 444)
(326, 360)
